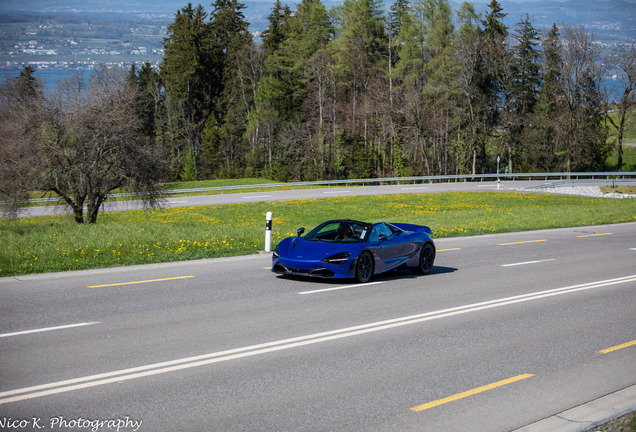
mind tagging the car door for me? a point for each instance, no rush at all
(387, 252)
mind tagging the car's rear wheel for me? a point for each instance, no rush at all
(364, 267)
(427, 258)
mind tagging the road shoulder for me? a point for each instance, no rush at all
(589, 415)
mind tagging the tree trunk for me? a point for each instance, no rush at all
(619, 139)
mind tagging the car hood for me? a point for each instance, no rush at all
(298, 248)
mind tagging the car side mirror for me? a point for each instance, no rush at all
(300, 231)
(382, 237)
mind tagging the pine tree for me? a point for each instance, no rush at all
(187, 69)
(230, 36)
(494, 28)
(398, 15)
(190, 77)
(361, 49)
(543, 137)
(495, 64)
(149, 103)
(28, 83)
(284, 88)
(278, 29)
(552, 73)
(523, 88)
(440, 35)
(408, 43)
(189, 172)
(362, 27)
(20, 97)
(526, 67)
(467, 17)
(440, 71)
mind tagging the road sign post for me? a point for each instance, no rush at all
(268, 232)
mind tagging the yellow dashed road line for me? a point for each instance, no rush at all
(617, 347)
(470, 392)
(138, 282)
(529, 241)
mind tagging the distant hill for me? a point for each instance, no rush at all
(613, 20)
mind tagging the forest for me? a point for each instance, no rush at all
(357, 92)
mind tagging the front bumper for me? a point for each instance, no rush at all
(311, 269)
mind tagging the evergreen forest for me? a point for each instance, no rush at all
(355, 91)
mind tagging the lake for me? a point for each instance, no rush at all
(49, 77)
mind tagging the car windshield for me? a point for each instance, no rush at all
(339, 232)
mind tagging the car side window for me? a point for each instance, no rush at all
(384, 230)
(378, 230)
(374, 235)
(393, 229)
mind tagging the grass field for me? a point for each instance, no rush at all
(56, 243)
(218, 183)
(629, 160)
(180, 185)
(629, 132)
(631, 190)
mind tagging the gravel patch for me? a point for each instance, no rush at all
(590, 191)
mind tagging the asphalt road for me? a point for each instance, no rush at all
(507, 330)
(316, 193)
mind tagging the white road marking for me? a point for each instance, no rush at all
(233, 354)
(412, 188)
(256, 196)
(176, 202)
(340, 288)
(335, 192)
(47, 329)
(527, 262)
(486, 185)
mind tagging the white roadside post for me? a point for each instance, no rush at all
(268, 232)
(498, 172)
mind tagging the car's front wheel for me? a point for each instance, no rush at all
(427, 258)
(364, 267)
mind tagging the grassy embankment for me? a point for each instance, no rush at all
(189, 185)
(629, 162)
(629, 147)
(55, 243)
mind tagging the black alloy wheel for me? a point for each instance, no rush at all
(427, 258)
(364, 267)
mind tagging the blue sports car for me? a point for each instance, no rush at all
(346, 248)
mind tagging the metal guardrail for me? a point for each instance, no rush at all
(382, 181)
(608, 182)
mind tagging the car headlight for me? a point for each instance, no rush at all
(337, 259)
(276, 254)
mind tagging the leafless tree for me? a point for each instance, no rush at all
(320, 98)
(623, 58)
(582, 70)
(80, 141)
(249, 73)
(471, 103)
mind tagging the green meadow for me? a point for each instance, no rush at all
(56, 243)
(629, 160)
